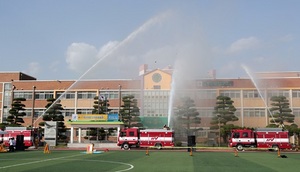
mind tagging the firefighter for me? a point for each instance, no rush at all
(2, 147)
(11, 144)
(166, 127)
(36, 142)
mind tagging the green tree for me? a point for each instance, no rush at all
(130, 112)
(101, 105)
(2, 126)
(54, 113)
(16, 112)
(224, 111)
(187, 115)
(293, 129)
(281, 111)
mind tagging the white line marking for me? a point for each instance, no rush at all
(64, 159)
(113, 162)
(15, 165)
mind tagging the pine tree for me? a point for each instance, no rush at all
(130, 112)
(187, 115)
(224, 111)
(281, 111)
(101, 105)
(16, 117)
(54, 113)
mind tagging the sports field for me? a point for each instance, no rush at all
(138, 161)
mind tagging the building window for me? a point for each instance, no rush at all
(110, 94)
(68, 112)
(284, 93)
(296, 112)
(37, 112)
(252, 94)
(231, 93)
(84, 111)
(255, 112)
(296, 93)
(206, 94)
(156, 87)
(156, 103)
(67, 95)
(26, 95)
(86, 94)
(206, 112)
(43, 95)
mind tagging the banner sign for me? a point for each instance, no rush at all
(112, 117)
(92, 117)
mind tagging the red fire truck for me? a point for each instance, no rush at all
(20, 135)
(273, 138)
(134, 137)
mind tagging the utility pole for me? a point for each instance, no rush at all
(99, 103)
(33, 105)
(120, 98)
(32, 113)
(12, 94)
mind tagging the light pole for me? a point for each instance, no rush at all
(106, 100)
(12, 94)
(99, 102)
(120, 100)
(33, 104)
(32, 113)
(219, 132)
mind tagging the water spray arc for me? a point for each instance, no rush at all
(130, 37)
(172, 94)
(258, 90)
(171, 99)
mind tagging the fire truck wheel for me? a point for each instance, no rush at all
(158, 146)
(126, 146)
(239, 147)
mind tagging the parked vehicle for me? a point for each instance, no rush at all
(273, 138)
(134, 137)
(21, 135)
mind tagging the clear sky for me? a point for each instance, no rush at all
(110, 39)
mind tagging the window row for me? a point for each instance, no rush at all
(38, 95)
(255, 112)
(197, 94)
(65, 112)
(72, 94)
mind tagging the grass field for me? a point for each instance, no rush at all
(138, 161)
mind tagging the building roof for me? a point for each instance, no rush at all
(11, 76)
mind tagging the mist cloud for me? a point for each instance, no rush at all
(244, 44)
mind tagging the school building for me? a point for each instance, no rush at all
(152, 89)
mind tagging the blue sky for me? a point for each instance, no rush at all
(100, 39)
